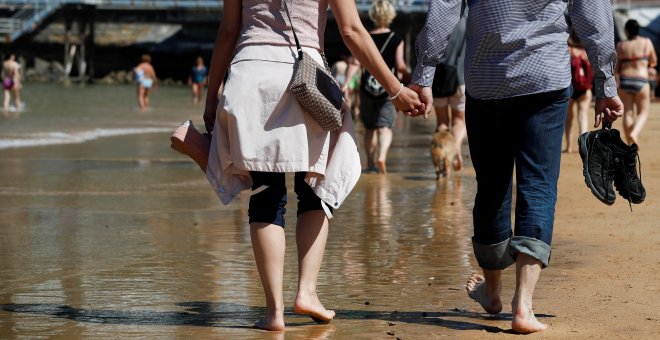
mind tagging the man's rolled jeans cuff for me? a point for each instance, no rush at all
(493, 256)
(532, 247)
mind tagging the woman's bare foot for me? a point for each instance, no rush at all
(633, 140)
(270, 324)
(382, 169)
(312, 306)
(524, 320)
(458, 161)
(487, 296)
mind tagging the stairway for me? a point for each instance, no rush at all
(26, 18)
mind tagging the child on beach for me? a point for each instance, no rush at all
(261, 133)
(145, 77)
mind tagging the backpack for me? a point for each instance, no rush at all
(371, 85)
(582, 74)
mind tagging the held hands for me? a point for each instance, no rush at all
(608, 110)
(426, 96)
(408, 101)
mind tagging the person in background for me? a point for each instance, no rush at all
(517, 90)
(582, 78)
(449, 90)
(376, 111)
(197, 79)
(634, 58)
(11, 82)
(653, 82)
(145, 77)
(261, 133)
(338, 70)
(352, 87)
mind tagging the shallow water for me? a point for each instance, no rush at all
(119, 236)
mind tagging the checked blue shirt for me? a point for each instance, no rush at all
(518, 47)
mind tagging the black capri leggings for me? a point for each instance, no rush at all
(268, 206)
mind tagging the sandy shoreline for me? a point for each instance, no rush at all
(154, 278)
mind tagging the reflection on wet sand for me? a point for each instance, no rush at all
(234, 316)
(120, 237)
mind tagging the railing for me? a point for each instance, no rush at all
(137, 4)
(402, 5)
(30, 14)
(630, 4)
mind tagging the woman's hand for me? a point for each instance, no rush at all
(408, 102)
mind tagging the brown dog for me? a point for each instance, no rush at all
(442, 152)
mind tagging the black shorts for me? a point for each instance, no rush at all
(268, 205)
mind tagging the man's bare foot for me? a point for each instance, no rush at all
(270, 324)
(488, 297)
(310, 305)
(524, 320)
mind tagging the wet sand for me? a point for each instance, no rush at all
(121, 237)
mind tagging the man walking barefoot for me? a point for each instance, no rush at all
(517, 76)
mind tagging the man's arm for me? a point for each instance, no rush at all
(432, 40)
(594, 25)
(431, 44)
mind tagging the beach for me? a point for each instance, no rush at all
(105, 232)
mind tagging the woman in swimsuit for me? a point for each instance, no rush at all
(197, 79)
(635, 56)
(145, 77)
(11, 82)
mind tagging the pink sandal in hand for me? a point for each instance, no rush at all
(188, 141)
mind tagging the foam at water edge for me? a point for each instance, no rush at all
(58, 137)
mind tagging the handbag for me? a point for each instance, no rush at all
(370, 84)
(315, 88)
(445, 81)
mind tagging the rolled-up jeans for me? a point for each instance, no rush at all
(526, 131)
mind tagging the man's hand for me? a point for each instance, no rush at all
(425, 96)
(608, 110)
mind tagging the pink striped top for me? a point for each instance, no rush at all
(265, 22)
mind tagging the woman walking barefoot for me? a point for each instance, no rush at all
(634, 57)
(581, 79)
(261, 133)
(377, 112)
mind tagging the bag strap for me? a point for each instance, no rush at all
(295, 37)
(386, 42)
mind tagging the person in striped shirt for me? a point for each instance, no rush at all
(518, 83)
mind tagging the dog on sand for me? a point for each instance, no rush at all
(442, 152)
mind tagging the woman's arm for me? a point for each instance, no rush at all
(223, 51)
(653, 58)
(401, 66)
(359, 42)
